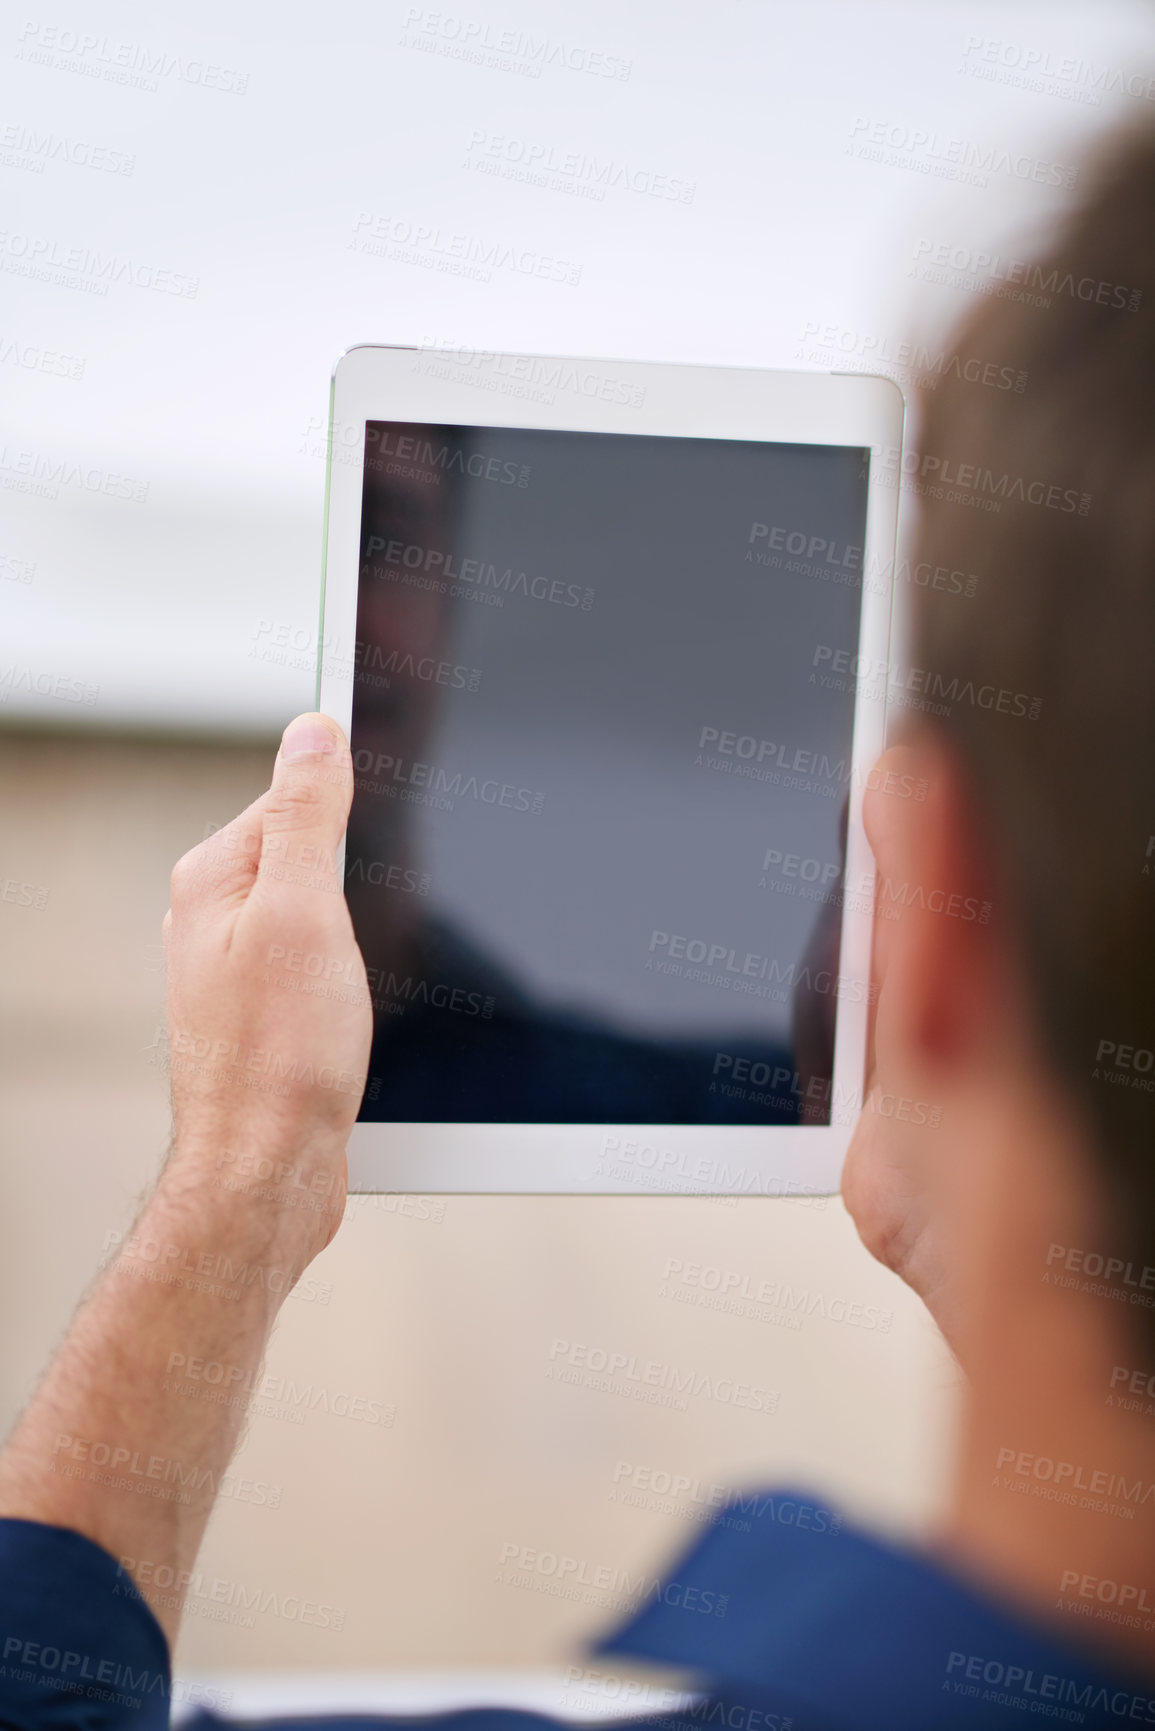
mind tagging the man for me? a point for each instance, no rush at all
(1026, 1218)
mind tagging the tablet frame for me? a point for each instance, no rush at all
(479, 388)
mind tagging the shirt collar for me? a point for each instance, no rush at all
(789, 1617)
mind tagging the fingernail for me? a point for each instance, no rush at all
(308, 736)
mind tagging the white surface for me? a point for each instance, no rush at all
(196, 603)
(579, 1694)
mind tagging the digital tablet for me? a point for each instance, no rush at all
(610, 641)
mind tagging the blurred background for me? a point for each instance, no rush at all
(201, 210)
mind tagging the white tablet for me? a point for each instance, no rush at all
(610, 642)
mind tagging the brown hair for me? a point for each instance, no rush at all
(1044, 495)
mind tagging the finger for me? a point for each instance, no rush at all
(885, 812)
(304, 813)
(884, 804)
(221, 867)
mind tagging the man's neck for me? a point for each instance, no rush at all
(1054, 1499)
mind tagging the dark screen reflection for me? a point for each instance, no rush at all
(602, 754)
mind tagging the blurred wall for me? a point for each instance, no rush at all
(422, 1426)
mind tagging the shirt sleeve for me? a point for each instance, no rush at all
(79, 1646)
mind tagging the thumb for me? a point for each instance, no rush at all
(890, 811)
(304, 813)
(886, 815)
(885, 803)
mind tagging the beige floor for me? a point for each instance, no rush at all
(446, 1313)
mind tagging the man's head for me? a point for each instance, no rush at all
(1034, 700)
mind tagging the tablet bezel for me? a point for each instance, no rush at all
(480, 388)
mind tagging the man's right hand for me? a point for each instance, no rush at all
(269, 1011)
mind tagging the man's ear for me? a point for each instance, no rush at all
(948, 980)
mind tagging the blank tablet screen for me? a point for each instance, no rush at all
(602, 721)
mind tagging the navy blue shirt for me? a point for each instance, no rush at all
(788, 1621)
